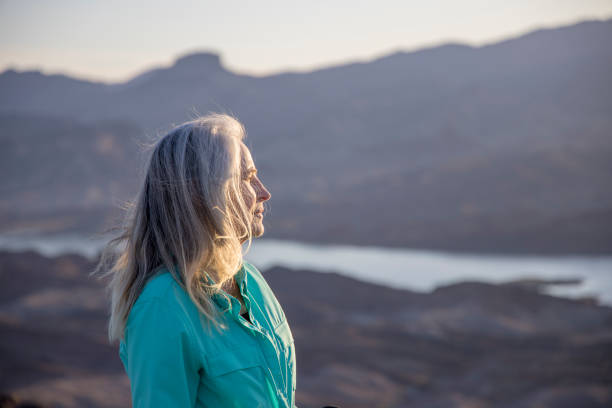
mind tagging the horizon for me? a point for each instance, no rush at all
(119, 64)
(307, 70)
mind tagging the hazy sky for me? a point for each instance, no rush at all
(114, 40)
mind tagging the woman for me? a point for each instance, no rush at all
(198, 326)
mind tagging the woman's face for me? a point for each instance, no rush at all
(253, 191)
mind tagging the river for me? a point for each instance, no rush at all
(419, 270)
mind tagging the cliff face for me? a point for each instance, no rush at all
(358, 344)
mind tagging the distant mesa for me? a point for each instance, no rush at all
(194, 65)
(201, 61)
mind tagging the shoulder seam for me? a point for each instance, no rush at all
(161, 295)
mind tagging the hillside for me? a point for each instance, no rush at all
(358, 345)
(499, 148)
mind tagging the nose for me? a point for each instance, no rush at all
(263, 194)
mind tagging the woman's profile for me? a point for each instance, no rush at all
(197, 325)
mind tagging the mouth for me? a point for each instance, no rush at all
(259, 213)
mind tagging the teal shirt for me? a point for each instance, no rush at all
(174, 358)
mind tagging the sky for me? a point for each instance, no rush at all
(113, 41)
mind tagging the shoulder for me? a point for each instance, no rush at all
(256, 278)
(163, 288)
(252, 271)
(158, 333)
(163, 304)
(158, 287)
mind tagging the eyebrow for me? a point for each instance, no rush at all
(250, 170)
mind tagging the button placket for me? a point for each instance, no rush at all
(258, 331)
(272, 349)
(277, 352)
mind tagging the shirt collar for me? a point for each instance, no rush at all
(241, 280)
(222, 299)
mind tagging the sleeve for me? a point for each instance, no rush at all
(161, 363)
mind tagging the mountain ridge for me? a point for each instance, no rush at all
(503, 147)
(216, 56)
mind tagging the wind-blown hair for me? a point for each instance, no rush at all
(189, 217)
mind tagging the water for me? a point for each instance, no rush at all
(87, 246)
(418, 270)
(424, 270)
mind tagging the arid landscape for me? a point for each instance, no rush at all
(502, 148)
(358, 345)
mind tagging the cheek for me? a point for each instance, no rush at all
(248, 195)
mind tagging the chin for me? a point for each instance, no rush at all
(257, 230)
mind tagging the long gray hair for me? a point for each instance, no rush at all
(189, 217)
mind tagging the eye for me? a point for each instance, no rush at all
(251, 176)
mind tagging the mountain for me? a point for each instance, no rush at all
(504, 147)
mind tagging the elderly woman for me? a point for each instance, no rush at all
(198, 326)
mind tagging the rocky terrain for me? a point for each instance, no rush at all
(358, 345)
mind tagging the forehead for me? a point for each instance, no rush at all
(246, 160)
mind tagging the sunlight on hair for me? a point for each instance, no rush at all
(189, 217)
